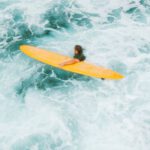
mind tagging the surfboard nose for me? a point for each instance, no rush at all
(22, 47)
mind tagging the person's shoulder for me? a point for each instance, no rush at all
(83, 57)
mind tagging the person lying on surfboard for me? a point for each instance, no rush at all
(78, 56)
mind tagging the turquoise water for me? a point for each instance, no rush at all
(43, 108)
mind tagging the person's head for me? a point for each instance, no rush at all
(78, 49)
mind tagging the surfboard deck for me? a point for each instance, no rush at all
(83, 68)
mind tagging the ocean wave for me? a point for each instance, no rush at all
(46, 108)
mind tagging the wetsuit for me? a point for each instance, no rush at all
(80, 57)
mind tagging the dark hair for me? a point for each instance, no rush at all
(79, 49)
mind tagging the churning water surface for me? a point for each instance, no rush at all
(43, 108)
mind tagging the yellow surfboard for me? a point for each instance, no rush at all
(83, 68)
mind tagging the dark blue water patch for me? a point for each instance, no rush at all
(24, 31)
(40, 141)
(23, 86)
(47, 77)
(13, 47)
(81, 19)
(21, 27)
(17, 28)
(131, 10)
(45, 80)
(136, 14)
(142, 2)
(145, 3)
(18, 15)
(40, 79)
(59, 17)
(145, 48)
(10, 50)
(61, 74)
(114, 15)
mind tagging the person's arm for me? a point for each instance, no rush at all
(69, 62)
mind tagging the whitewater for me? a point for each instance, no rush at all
(44, 108)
